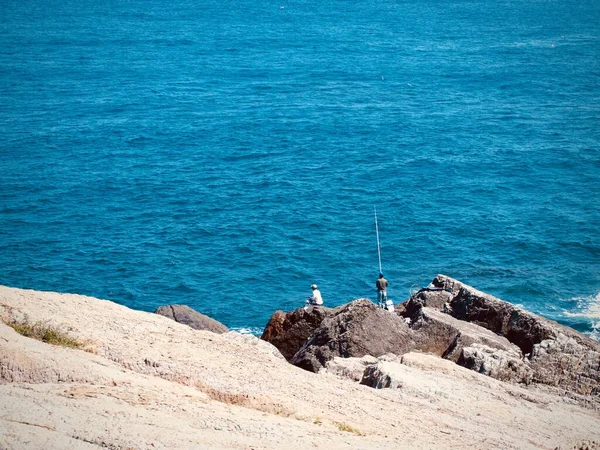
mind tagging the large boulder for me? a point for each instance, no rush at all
(289, 331)
(317, 339)
(356, 329)
(431, 297)
(187, 316)
(558, 355)
(521, 327)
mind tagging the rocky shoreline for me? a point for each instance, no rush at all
(451, 320)
(452, 367)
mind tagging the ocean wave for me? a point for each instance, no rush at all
(586, 307)
(595, 333)
(254, 331)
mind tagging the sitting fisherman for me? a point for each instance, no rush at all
(315, 298)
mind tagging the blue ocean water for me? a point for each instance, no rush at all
(227, 155)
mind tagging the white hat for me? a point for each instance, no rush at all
(314, 286)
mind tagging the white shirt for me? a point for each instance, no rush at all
(316, 298)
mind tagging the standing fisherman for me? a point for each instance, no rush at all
(382, 285)
(381, 282)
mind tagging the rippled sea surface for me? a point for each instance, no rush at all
(227, 155)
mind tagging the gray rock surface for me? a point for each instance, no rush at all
(351, 368)
(356, 329)
(442, 335)
(504, 365)
(570, 361)
(468, 345)
(187, 316)
(430, 298)
(383, 374)
(558, 355)
(519, 326)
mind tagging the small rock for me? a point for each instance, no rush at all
(187, 316)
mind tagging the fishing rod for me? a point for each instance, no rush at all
(382, 298)
(377, 233)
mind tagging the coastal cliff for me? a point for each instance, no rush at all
(140, 380)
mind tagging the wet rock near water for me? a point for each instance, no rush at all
(187, 316)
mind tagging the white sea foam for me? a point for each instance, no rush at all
(254, 331)
(586, 307)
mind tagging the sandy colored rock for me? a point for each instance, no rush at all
(147, 382)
